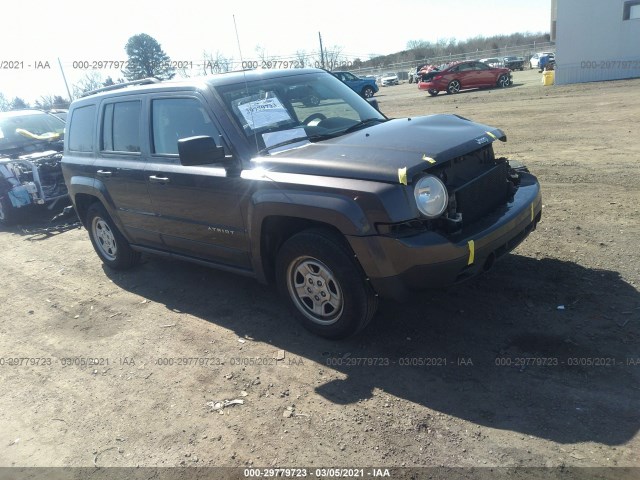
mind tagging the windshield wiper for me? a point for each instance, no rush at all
(310, 138)
(363, 123)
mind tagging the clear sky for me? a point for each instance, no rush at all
(38, 31)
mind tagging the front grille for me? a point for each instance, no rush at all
(483, 194)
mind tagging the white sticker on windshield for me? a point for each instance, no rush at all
(274, 138)
(264, 112)
(1, 133)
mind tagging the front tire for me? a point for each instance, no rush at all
(110, 245)
(432, 92)
(324, 285)
(454, 86)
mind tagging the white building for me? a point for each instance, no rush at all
(596, 39)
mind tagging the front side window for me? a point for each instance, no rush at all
(176, 118)
(121, 127)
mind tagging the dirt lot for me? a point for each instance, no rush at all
(569, 293)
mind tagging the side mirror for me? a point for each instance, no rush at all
(374, 103)
(200, 150)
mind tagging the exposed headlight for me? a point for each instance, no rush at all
(431, 196)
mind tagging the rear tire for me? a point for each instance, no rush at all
(311, 101)
(324, 285)
(367, 92)
(110, 245)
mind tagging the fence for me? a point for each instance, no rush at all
(401, 68)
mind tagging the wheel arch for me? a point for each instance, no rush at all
(276, 216)
(277, 229)
(85, 191)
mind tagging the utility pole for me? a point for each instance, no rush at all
(65, 80)
(321, 51)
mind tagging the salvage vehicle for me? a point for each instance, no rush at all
(31, 143)
(453, 77)
(335, 203)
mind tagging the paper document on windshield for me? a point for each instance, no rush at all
(274, 138)
(264, 112)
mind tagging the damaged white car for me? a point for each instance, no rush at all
(31, 143)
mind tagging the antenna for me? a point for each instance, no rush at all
(244, 74)
(237, 38)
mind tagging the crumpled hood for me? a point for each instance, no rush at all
(380, 151)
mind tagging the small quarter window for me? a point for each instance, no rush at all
(81, 129)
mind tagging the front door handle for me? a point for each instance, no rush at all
(155, 179)
(104, 173)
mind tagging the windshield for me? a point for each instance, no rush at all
(28, 131)
(295, 109)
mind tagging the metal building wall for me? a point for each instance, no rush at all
(594, 43)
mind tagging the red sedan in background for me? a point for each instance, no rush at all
(462, 75)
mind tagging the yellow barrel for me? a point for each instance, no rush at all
(547, 77)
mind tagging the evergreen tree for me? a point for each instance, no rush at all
(147, 59)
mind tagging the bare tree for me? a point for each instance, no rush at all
(48, 102)
(91, 81)
(217, 63)
(4, 103)
(262, 55)
(334, 60)
(301, 58)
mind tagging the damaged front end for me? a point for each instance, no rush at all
(30, 163)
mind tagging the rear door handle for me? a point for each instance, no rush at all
(155, 179)
(104, 173)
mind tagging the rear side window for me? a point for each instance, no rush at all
(121, 127)
(81, 128)
(176, 118)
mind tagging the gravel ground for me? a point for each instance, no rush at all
(535, 364)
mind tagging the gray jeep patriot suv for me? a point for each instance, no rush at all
(333, 202)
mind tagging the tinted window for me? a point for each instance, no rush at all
(81, 129)
(176, 118)
(121, 127)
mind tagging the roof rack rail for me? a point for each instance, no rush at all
(116, 86)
